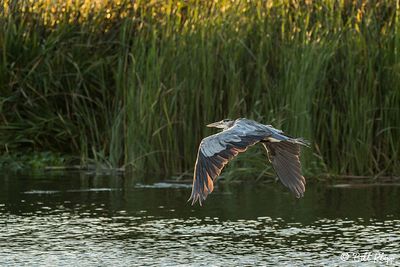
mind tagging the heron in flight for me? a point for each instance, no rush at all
(217, 150)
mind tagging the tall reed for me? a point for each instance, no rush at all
(123, 84)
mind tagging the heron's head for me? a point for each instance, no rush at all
(224, 124)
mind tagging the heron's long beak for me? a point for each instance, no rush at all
(214, 124)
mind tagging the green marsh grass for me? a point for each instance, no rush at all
(133, 85)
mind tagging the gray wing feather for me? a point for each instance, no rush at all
(217, 150)
(285, 158)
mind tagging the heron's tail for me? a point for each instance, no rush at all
(300, 141)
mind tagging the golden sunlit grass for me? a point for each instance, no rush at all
(132, 83)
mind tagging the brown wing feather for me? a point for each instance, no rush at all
(285, 158)
(208, 168)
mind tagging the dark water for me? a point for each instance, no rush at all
(81, 220)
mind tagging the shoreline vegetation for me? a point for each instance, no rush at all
(130, 85)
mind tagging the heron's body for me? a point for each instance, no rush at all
(216, 150)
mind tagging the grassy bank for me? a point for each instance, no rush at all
(133, 85)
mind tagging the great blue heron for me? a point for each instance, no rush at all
(217, 150)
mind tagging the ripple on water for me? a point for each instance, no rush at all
(114, 222)
(164, 185)
(65, 237)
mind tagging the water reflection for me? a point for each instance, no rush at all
(86, 221)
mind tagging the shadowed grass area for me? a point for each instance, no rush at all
(133, 85)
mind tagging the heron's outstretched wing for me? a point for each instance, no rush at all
(216, 151)
(285, 158)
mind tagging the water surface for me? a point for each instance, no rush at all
(84, 220)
